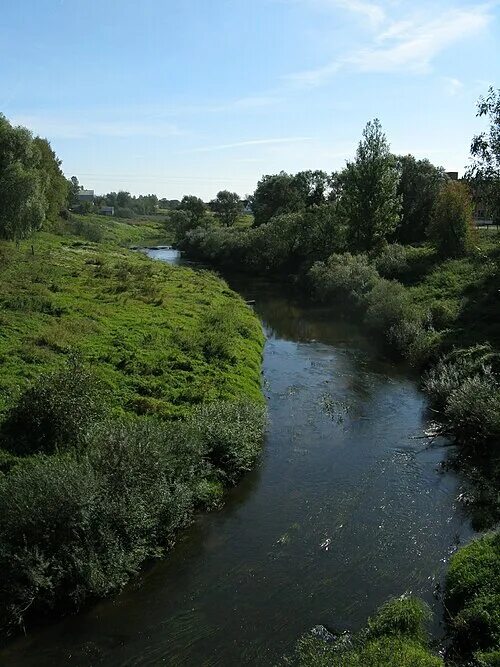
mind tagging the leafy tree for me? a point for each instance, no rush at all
(313, 186)
(180, 222)
(275, 195)
(419, 185)
(194, 206)
(74, 188)
(368, 197)
(452, 226)
(227, 206)
(55, 185)
(485, 151)
(123, 199)
(22, 196)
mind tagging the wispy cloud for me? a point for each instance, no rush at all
(408, 44)
(251, 142)
(70, 127)
(452, 86)
(368, 10)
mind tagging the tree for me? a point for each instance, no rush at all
(22, 197)
(194, 206)
(55, 184)
(180, 222)
(275, 195)
(419, 185)
(123, 199)
(452, 225)
(227, 206)
(313, 187)
(74, 188)
(484, 173)
(368, 196)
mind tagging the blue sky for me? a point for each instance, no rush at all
(194, 96)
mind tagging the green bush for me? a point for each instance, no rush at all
(396, 637)
(230, 434)
(391, 261)
(472, 596)
(90, 231)
(406, 616)
(55, 412)
(344, 279)
(76, 525)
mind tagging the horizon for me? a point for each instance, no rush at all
(184, 98)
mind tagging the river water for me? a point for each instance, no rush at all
(347, 507)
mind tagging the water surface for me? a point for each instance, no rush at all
(347, 507)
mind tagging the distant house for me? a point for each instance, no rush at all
(107, 210)
(85, 195)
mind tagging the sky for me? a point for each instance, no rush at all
(179, 97)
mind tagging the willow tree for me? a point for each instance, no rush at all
(368, 191)
(23, 203)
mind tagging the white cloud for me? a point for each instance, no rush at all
(452, 86)
(407, 44)
(251, 142)
(369, 10)
(77, 127)
(413, 46)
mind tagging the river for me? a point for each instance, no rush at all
(347, 507)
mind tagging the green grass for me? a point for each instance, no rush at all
(162, 338)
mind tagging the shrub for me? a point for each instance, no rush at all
(406, 616)
(346, 279)
(90, 231)
(230, 434)
(472, 595)
(452, 226)
(55, 412)
(391, 261)
(383, 652)
(453, 369)
(396, 637)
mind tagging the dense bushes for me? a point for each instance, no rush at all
(464, 388)
(76, 525)
(54, 413)
(396, 637)
(473, 599)
(344, 279)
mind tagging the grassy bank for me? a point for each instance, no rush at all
(129, 398)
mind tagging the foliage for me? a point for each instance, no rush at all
(55, 185)
(54, 413)
(74, 527)
(368, 197)
(391, 261)
(419, 185)
(464, 387)
(484, 172)
(396, 637)
(24, 203)
(283, 193)
(194, 206)
(227, 206)
(345, 279)
(452, 225)
(472, 597)
(406, 616)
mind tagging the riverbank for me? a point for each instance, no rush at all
(130, 397)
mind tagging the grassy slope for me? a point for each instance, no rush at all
(146, 327)
(467, 289)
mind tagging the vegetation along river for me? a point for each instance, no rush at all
(347, 507)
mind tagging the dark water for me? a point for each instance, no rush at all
(346, 508)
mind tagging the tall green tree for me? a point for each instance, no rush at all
(275, 194)
(194, 206)
(227, 207)
(484, 173)
(74, 188)
(419, 185)
(452, 225)
(22, 198)
(368, 197)
(54, 182)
